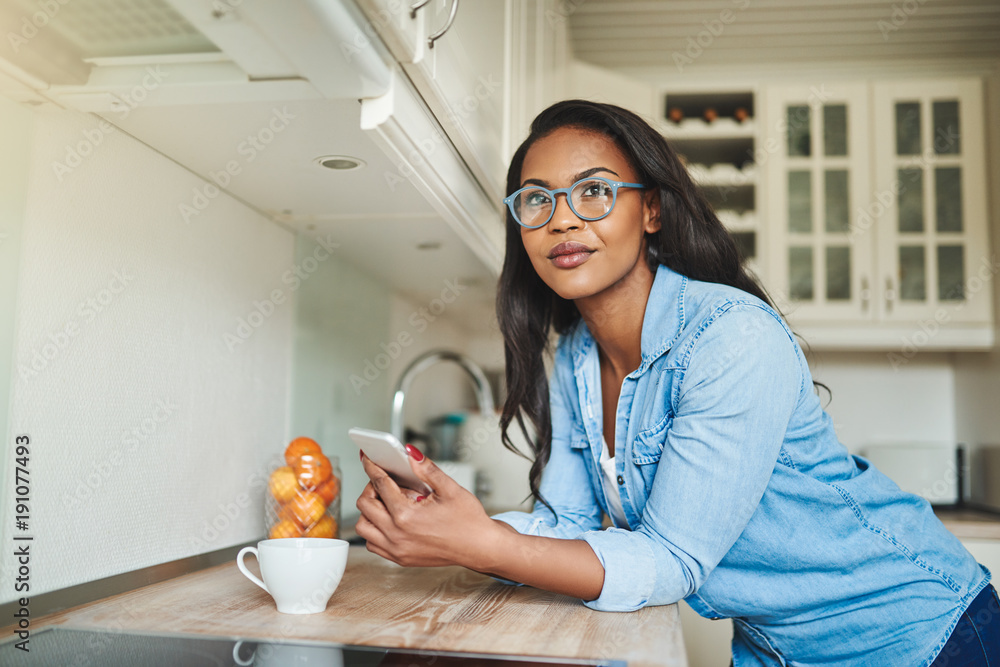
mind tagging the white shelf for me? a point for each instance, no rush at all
(696, 128)
(722, 175)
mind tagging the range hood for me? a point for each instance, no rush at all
(93, 43)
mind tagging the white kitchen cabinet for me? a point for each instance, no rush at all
(933, 255)
(408, 133)
(538, 63)
(461, 78)
(463, 81)
(400, 27)
(818, 175)
(485, 78)
(876, 209)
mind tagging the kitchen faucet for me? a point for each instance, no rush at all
(424, 361)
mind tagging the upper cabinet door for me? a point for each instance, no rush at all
(400, 27)
(930, 171)
(818, 187)
(463, 80)
(401, 125)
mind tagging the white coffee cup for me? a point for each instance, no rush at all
(273, 654)
(300, 573)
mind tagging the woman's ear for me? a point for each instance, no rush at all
(651, 211)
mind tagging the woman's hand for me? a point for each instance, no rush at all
(450, 527)
(447, 527)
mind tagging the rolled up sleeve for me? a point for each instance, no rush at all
(741, 382)
(565, 484)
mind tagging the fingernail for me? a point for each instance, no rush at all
(419, 498)
(414, 452)
(362, 456)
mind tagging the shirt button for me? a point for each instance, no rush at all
(621, 480)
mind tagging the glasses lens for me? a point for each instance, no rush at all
(592, 198)
(532, 207)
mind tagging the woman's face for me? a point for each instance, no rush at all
(614, 245)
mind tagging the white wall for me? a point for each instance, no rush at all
(875, 403)
(16, 128)
(147, 424)
(598, 84)
(340, 311)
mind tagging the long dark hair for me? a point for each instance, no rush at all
(691, 241)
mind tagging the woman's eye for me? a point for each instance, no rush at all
(595, 189)
(536, 199)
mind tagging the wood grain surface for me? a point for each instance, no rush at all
(379, 603)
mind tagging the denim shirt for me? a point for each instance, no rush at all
(739, 497)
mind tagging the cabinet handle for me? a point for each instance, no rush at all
(890, 295)
(417, 6)
(866, 294)
(440, 33)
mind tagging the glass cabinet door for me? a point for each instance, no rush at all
(929, 163)
(818, 176)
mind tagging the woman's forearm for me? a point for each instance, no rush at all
(569, 567)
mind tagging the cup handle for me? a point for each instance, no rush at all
(236, 655)
(243, 568)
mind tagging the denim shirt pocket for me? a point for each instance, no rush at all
(648, 447)
(655, 418)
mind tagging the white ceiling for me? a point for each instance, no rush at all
(649, 38)
(282, 175)
(375, 215)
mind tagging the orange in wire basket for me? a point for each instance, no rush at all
(325, 527)
(283, 484)
(328, 490)
(300, 446)
(312, 470)
(284, 529)
(305, 509)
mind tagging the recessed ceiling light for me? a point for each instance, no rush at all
(340, 162)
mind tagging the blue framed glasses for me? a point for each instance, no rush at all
(590, 199)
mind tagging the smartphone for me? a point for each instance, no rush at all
(389, 454)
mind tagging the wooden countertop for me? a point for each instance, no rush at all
(381, 604)
(970, 523)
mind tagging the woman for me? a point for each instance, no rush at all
(731, 490)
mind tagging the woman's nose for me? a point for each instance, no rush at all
(563, 218)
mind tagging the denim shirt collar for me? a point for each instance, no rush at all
(661, 324)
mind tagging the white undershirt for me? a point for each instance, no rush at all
(611, 486)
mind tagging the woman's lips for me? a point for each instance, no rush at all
(568, 254)
(569, 261)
